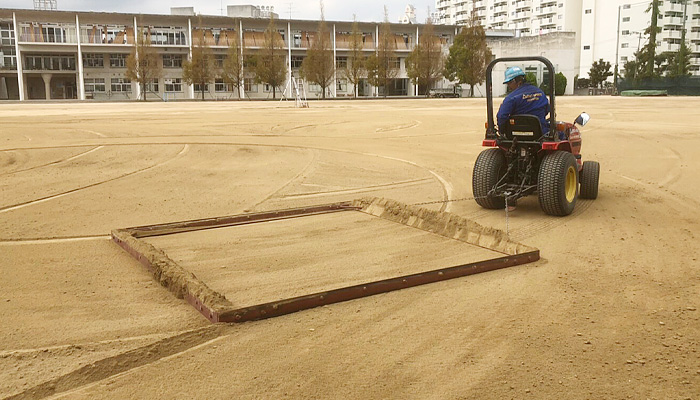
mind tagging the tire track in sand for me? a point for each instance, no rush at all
(184, 150)
(64, 160)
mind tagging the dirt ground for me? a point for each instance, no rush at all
(609, 312)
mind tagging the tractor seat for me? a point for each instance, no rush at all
(525, 127)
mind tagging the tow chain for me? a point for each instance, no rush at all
(465, 199)
(444, 201)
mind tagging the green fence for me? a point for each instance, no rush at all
(682, 86)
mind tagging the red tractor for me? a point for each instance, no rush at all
(524, 160)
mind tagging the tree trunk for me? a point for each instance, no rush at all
(274, 92)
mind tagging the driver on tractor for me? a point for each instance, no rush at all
(524, 98)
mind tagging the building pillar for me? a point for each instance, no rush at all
(288, 90)
(415, 87)
(47, 84)
(22, 88)
(375, 89)
(81, 77)
(241, 90)
(136, 54)
(4, 94)
(335, 66)
(190, 88)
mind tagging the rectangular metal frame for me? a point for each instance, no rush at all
(216, 308)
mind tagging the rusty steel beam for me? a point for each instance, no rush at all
(287, 306)
(234, 220)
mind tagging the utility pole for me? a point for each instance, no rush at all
(652, 37)
(682, 51)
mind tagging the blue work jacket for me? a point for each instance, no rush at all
(527, 99)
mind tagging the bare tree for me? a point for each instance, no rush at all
(355, 70)
(200, 69)
(271, 67)
(232, 71)
(319, 66)
(381, 66)
(469, 56)
(143, 64)
(426, 62)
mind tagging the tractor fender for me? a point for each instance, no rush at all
(549, 147)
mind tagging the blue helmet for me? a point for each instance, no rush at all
(512, 73)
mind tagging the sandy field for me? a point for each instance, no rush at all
(609, 312)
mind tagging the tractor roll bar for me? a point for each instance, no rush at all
(491, 130)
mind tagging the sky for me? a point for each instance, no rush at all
(335, 10)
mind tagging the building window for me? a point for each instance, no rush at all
(53, 34)
(625, 32)
(121, 85)
(297, 61)
(173, 85)
(624, 45)
(626, 6)
(395, 63)
(93, 85)
(50, 63)
(92, 60)
(623, 58)
(341, 85)
(221, 86)
(588, 11)
(172, 60)
(250, 86)
(586, 47)
(117, 60)
(152, 86)
(198, 87)
(219, 60)
(625, 19)
(174, 36)
(341, 62)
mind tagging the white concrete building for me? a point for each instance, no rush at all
(609, 29)
(82, 55)
(525, 17)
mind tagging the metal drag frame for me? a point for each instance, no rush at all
(216, 308)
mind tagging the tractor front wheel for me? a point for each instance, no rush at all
(590, 175)
(489, 168)
(558, 183)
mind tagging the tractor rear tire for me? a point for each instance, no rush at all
(590, 175)
(489, 168)
(558, 183)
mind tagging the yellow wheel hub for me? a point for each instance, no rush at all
(571, 184)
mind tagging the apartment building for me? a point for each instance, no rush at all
(609, 29)
(525, 17)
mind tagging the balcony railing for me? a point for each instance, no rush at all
(673, 21)
(106, 34)
(8, 67)
(547, 10)
(39, 37)
(47, 33)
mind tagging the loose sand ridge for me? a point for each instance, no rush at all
(610, 311)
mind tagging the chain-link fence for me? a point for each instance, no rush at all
(681, 86)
